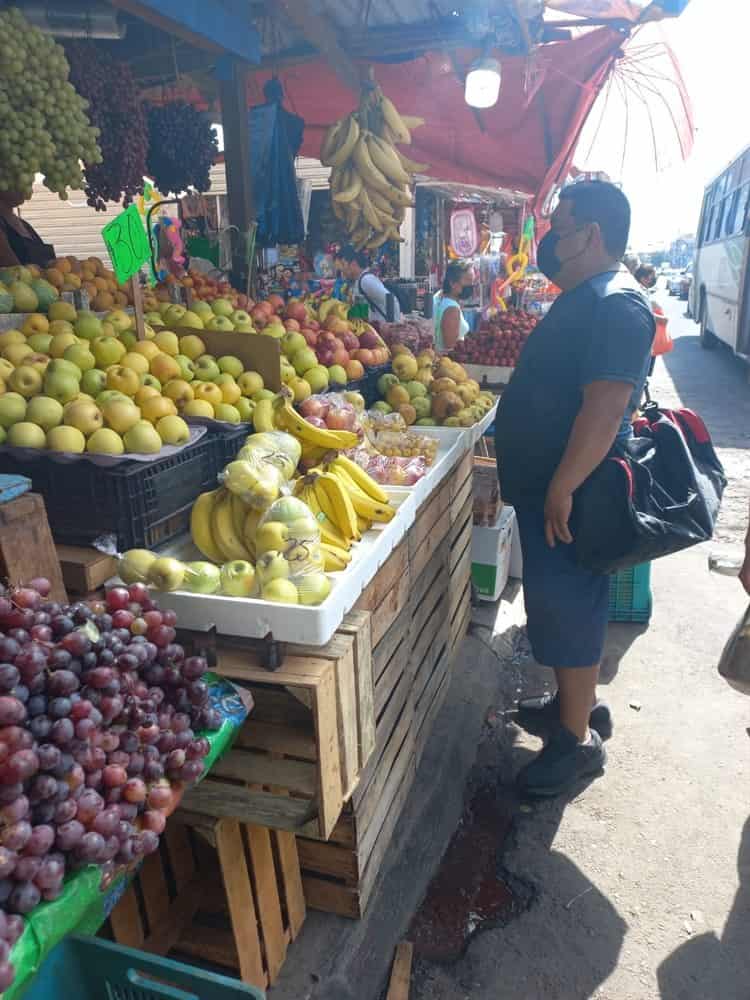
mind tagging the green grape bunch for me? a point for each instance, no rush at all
(44, 124)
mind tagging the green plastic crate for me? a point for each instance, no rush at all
(88, 968)
(630, 594)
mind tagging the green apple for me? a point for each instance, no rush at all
(275, 329)
(109, 394)
(250, 383)
(222, 307)
(128, 339)
(385, 382)
(87, 325)
(148, 379)
(105, 442)
(187, 367)
(244, 328)
(304, 360)
(26, 381)
(39, 342)
(154, 319)
(93, 381)
(45, 412)
(190, 318)
(66, 439)
(314, 588)
(202, 309)
(227, 412)
(143, 439)
(173, 430)
(280, 592)
(135, 564)
(120, 320)
(317, 378)
(237, 578)
(26, 435)
(166, 573)
(12, 409)
(206, 369)
(84, 415)
(174, 314)
(337, 375)
(245, 409)
(80, 356)
(61, 386)
(292, 342)
(263, 394)
(241, 318)
(382, 407)
(201, 578)
(230, 365)
(120, 414)
(107, 351)
(62, 366)
(220, 323)
(271, 566)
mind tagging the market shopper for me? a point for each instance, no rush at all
(367, 285)
(19, 242)
(450, 323)
(578, 381)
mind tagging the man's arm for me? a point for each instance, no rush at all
(594, 432)
(745, 571)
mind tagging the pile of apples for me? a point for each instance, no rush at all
(33, 289)
(499, 341)
(74, 382)
(220, 314)
(203, 288)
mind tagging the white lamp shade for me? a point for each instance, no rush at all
(483, 83)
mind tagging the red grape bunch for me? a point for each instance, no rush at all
(99, 708)
(182, 147)
(116, 109)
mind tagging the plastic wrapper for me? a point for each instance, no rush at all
(415, 333)
(289, 564)
(389, 435)
(90, 895)
(390, 471)
(335, 410)
(734, 665)
(262, 469)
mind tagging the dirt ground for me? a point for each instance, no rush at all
(639, 886)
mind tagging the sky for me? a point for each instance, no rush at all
(710, 40)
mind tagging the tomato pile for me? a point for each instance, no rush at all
(499, 340)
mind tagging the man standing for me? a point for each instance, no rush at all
(367, 285)
(573, 393)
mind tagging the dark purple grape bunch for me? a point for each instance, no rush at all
(182, 147)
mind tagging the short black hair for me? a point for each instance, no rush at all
(605, 204)
(348, 253)
(454, 272)
(646, 272)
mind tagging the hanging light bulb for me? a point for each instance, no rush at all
(483, 83)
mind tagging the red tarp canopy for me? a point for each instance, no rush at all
(525, 143)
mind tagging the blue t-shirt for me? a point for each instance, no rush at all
(600, 331)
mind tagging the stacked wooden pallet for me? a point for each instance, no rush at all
(420, 607)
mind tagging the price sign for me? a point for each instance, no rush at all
(127, 243)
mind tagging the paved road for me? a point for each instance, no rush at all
(715, 384)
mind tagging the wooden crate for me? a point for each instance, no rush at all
(84, 570)
(26, 546)
(312, 730)
(225, 893)
(417, 626)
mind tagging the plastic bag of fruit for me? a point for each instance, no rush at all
(289, 560)
(337, 411)
(390, 471)
(389, 434)
(261, 472)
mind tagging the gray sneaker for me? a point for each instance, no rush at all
(561, 764)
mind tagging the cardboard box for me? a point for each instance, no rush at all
(257, 352)
(486, 492)
(490, 555)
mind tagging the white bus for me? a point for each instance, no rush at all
(720, 290)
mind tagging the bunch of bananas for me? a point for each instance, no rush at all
(370, 177)
(346, 502)
(223, 526)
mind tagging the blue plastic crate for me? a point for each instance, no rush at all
(89, 968)
(630, 594)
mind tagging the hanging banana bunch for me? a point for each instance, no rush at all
(371, 179)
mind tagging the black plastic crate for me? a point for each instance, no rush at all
(143, 504)
(228, 442)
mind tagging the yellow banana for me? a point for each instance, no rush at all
(332, 140)
(402, 198)
(344, 151)
(372, 177)
(394, 121)
(200, 527)
(352, 188)
(263, 416)
(363, 524)
(228, 542)
(412, 122)
(335, 558)
(364, 505)
(411, 166)
(365, 481)
(329, 531)
(337, 504)
(390, 136)
(380, 202)
(377, 240)
(250, 528)
(289, 420)
(387, 160)
(239, 513)
(369, 211)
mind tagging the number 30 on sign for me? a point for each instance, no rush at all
(127, 243)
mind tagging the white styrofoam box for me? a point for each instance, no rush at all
(490, 555)
(516, 556)
(489, 375)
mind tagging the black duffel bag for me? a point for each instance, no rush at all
(655, 494)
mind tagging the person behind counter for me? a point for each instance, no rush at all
(450, 323)
(365, 284)
(19, 242)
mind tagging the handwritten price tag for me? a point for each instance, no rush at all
(127, 243)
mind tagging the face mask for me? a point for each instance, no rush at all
(547, 259)
(466, 292)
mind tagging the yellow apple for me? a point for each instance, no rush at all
(35, 323)
(62, 310)
(40, 342)
(60, 343)
(107, 351)
(120, 320)
(198, 408)
(12, 409)
(208, 391)
(165, 368)
(245, 409)
(145, 392)
(105, 442)
(225, 411)
(123, 379)
(173, 430)
(26, 435)
(121, 414)
(5, 368)
(26, 381)
(45, 412)
(66, 439)
(142, 439)
(167, 342)
(9, 337)
(156, 408)
(80, 356)
(83, 414)
(230, 391)
(179, 391)
(192, 346)
(231, 365)
(137, 362)
(15, 353)
(147, 348)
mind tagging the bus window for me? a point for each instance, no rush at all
(707, 226)
(743, 208)
(729, 221)
(745, 167)
(719, 219)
